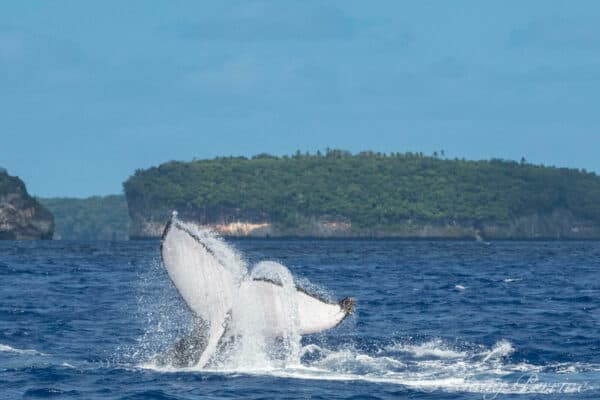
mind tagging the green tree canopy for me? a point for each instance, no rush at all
(373, 190)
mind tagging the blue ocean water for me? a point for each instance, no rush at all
(434, 320)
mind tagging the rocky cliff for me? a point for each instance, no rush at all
(557, 225)
(21, 216)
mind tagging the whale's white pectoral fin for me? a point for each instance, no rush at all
(200, 277)
(203, 282)
(216, 332)
(314, 314)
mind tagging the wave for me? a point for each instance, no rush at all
(9, 349)
(435, 348)
(433, 365)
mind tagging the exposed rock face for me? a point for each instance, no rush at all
(21, 216)
(153, 229)
(243, 229)
(225, 221)
(559, 224)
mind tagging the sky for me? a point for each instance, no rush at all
(92, 91)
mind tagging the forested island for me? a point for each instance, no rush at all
(21, 216)
(339, 194)
(92, 218)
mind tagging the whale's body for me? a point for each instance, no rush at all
(212, 279)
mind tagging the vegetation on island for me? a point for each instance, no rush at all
(92, 218)
(376, 192)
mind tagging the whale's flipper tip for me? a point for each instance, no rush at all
(168, 225)
(347, 304)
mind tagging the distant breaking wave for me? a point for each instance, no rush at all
(6, 348)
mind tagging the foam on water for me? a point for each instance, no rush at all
(435, 348)
(428, 366)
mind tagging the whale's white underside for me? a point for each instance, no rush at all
(210, 280)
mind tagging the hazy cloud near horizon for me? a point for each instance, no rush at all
(93, 91)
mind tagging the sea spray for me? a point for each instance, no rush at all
(289, 347)
(165, 317)
(227, 255)
(253, 348)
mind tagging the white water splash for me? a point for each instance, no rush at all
(256, 349)
(501, 349)
(435, 348)
(227, 255)
(429, 366)
(253, 349)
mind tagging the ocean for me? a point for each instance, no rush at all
(433, 320)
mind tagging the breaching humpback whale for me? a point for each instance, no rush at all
(211, 279)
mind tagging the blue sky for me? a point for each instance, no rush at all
(91, 91)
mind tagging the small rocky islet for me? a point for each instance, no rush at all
(21, 216)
